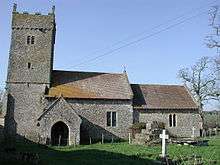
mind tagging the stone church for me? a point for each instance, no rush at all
(46, 106)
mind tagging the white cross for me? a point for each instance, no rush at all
(163, 136)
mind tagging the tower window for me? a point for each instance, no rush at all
(29, 65)
(30, 40)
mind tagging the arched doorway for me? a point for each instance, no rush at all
(59, 134)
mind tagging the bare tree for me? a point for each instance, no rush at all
(213, 39)
(202, 80)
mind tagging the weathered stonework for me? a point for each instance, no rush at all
(185, 121)
(94, 118)
(60, 110)
(29, 73)
(39, 54)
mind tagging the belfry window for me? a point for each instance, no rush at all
(172, 120)
(29, 65)
(111, 119)
(30, 40)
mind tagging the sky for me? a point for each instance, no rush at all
(124, 34)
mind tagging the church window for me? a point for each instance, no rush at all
(32, 39)
(172, 120)
(108, 118)
(111, 119)
(28, 40)
(29, 65)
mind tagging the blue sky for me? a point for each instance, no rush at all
(86, 29)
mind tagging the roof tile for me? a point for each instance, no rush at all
(162, 97)
(90, 85)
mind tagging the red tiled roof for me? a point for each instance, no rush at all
(162, 97)
(90, 85)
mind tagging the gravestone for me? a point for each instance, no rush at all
(164, 137)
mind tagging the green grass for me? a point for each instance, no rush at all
(118, 153)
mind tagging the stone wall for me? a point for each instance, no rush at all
(27, 84)
(94, 118)
(60, 110)
(39, 55)
(185, 121)
(25, 103)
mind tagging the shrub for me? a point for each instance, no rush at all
(138, 126)
(161, 125)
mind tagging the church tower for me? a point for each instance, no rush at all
(29, 71)
(32, 47)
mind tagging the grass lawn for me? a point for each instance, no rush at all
(117, 153)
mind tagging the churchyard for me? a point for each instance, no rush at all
(121, 153)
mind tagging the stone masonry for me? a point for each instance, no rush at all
(43, 104)
(185, 121)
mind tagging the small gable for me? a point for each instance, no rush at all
(60, 109)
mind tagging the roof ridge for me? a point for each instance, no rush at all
(70, 71)
(161, 85)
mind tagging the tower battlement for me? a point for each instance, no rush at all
(36, 13)
(35, 21)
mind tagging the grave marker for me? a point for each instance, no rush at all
(163, 136)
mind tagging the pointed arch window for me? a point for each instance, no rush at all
(172, 120)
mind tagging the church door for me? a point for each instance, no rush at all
(59, 134)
